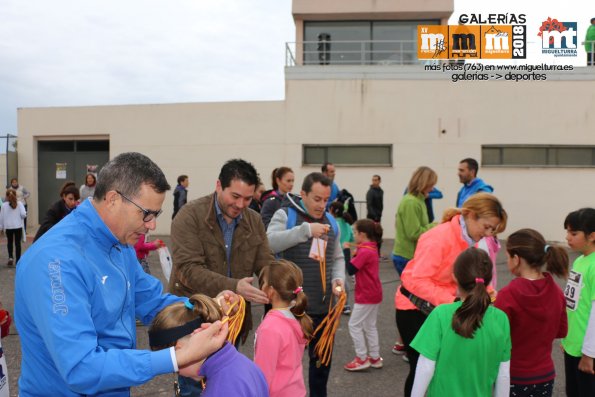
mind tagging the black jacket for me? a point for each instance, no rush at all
(374, 203)
(54, 215)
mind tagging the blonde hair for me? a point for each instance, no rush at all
(422, 179)
(483, 205)
(178, 314)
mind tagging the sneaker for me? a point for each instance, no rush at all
(398, 348)
(357, 364)
(405, 358)
(375, 362)
(347, 310)
(10, 262)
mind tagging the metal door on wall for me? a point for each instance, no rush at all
(61, 161)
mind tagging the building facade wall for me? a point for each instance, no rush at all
(429, 122)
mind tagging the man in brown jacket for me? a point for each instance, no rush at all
(219, 243)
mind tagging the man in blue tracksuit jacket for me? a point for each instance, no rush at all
(79, 289)
(471, 184)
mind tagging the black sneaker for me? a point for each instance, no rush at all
(10, 262)
(347, 310)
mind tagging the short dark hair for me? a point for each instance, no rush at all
(182, 178)
(313, 178)
(324, 167)
(70, 189)
(238, 169)
(126, 173)
(377, 176)
(582, 220)
(472, 164)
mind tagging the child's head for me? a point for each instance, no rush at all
(337, 209)
(283, 280)
(11, 197)
(372, 231)
(175, 323)
(473, 272)
(529, 244)
(580, 228)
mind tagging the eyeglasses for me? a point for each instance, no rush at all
(148, 215)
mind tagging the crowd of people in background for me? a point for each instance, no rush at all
(460, 334)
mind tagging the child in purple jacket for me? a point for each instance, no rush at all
(225, 372)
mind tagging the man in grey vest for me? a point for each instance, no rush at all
(298, 231)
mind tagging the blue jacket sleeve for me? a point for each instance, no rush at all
(149, 297)
(60, 297)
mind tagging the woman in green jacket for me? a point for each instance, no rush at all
(412, 216)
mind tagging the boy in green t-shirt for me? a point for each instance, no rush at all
(579, 344)
(465, 346)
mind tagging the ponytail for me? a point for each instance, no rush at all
(287, 280)
(473, 271)
(11, 196)
(178, 314)
(299, 311)
(274, 179)
(557, 260)
(450, 213)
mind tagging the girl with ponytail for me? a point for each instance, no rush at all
(282, 336)
(427, 281)
(226, 372)
(368, 295)
(536, 309)
(465, 346)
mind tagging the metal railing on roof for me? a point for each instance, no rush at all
(352, 52)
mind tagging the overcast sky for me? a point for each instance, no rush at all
(98, 52)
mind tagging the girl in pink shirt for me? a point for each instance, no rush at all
(283, 335)
(368, 296)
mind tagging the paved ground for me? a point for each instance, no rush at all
(383, 382)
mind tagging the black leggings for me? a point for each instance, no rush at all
(409, 322)
(16, 235)
(578, 383)
(544, 389)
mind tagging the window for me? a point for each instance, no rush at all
(361, 42)
(348, 155)
(538, 156)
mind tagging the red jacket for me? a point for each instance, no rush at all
(537, 314)
(429, 274)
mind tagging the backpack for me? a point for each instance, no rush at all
(348, 203)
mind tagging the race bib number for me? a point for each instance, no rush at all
(318, 249)
(572, 292)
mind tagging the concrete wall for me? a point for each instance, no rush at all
(371, 9)
(391, 105)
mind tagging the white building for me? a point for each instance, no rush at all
(368, 106)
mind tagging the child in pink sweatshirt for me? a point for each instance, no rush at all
(284, 333)
(143, 248)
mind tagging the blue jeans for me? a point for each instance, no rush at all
(399, 263)
(189, 387)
